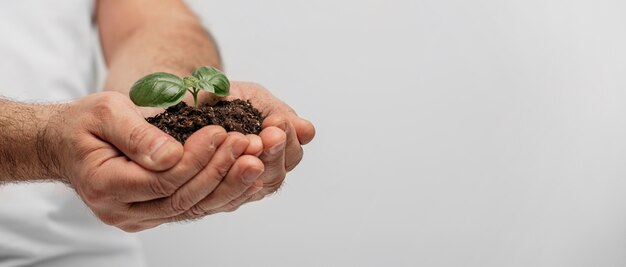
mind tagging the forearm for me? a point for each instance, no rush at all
(175, 43)
(25, 152)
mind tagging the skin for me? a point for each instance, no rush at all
(132, 175)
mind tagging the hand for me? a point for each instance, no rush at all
(282, 136)
(134, 176)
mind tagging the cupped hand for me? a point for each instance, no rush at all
(283, 135)
(134, 176)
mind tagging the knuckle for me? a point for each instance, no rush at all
(293, 160)
(231, 209)
(197, 211)
(92, 196)
(272, 189)
(276, 181)
(112, 219)
(88, 191)
(103, 110)
(273, 160)
(232, 194)
(97, 192)
(232, 206)
(196, 162)
(161, 188)
(180, 204)
(275, 185)
(256, 197)
(221, 170)
(137, 134)
(104, 107)
(249, 194)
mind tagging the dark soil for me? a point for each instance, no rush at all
(181, 121)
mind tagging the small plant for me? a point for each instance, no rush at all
(181, 121)
(163, 89)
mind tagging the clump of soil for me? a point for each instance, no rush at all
(181, 121)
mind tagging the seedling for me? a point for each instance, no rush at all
(181, 121)
(163, 89)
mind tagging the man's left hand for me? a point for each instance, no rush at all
(283, 135)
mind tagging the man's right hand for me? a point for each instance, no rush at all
(134, 176)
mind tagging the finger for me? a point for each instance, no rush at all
(293, 149)
(236, 188)
(138, 185)
(134, 227)
(231, 206)
(236, 203)
(137, 139)
(304, 130)
(200, 185)
(273, 157)
(116, 179)
(256, 197)
(255, 147)
(242, 175)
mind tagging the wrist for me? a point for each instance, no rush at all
(48, 142)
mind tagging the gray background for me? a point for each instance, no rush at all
(450, 133)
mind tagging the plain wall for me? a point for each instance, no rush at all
(450, 133)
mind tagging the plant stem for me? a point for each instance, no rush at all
(194, 92)
(195, 97)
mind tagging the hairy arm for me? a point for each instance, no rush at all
(143, 36)
(24, 154)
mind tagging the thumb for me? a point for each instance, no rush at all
(142, 142)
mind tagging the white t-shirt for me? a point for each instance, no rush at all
(48, 52)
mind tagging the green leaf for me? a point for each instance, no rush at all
(212, 80)
(190, 81)
(158, 90)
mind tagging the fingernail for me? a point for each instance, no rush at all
(239, 147)
(161, 149)
(218, 139)
(275, 150)
(250, 175)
